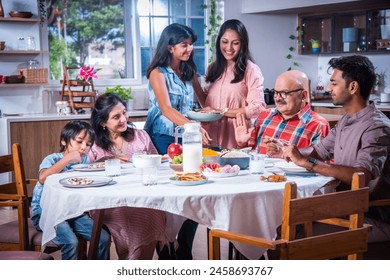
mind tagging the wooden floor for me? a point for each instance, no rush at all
(199, 247)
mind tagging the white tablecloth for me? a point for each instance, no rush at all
(240, 204)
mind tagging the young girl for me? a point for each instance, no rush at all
(173, 80)
(76, 140)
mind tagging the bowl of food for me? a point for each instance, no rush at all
(209, 156)
(176, 167)
(17, 14)
(204, 116)
(234, 157)
(144, 160)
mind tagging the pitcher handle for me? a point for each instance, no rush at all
(177, 128)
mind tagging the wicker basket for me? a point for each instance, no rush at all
(35, 75)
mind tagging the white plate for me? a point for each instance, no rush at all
(290, 167)
(84, 167)
(174, 181)
(220, 174)
(97, 181)
(203, 116)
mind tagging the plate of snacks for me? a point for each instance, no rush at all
(89, 167)
(214, 170)
(188, 179)
(85, 182)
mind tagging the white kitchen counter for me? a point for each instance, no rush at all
(54, 117)
(327, 103)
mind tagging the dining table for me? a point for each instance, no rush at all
(240, 203)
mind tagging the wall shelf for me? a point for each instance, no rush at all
(13, 19)
(21, 85)
(22, 52)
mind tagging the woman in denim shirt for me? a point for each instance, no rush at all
(173, 80)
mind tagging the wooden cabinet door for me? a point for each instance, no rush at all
(37, 139)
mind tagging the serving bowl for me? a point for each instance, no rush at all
(204, 116)
(176, 167)
(17, 14)
(242, 162)
(210, 159)
(143, 160)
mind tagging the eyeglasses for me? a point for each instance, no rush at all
(283, 94)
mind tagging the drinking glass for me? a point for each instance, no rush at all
(257, 164)
(149, 175)
(112, 167)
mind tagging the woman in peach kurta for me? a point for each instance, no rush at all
(135, 231)
(234, 84)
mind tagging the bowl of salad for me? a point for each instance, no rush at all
(176, 164)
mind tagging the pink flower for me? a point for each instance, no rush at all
(86, 73)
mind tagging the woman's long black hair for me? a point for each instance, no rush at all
(100, 113)
(217, 68)
(174, 34)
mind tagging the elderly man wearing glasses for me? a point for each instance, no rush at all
(291, 122)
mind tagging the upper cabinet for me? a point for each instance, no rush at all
(346, 32)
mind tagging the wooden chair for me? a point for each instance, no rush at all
(378, 250)
(20, 234)
(24, 255)
(80, 94)
(327, 208)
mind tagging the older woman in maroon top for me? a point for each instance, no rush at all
(135, 230)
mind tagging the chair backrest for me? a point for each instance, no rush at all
(81, 94)
(14, 194)
(343, 209)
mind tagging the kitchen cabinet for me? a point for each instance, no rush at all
(346, 32)
(18, 58)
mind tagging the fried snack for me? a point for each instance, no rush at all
(273, 178)
(79, 181)
(96, 165)
(196, 176)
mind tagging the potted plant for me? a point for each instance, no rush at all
(295, 40)
(125, 94)
(214, 21)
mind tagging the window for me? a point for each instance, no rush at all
(154, 16)
(118, 36)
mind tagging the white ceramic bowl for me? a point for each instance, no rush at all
(203, 116)
(141, 160)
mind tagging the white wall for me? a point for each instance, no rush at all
(269, 45)
(269, 42)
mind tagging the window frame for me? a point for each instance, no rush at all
(132, 45)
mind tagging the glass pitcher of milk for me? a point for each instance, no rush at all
(192, 147)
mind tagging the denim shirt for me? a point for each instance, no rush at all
(181, 96)
(47, 162)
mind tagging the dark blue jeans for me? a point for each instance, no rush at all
(162, 141)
